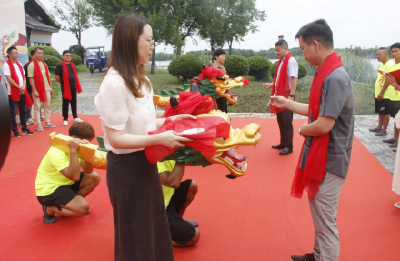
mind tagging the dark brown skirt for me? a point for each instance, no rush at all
(140, 222)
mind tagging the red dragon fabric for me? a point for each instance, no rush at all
(311, 177)
(190, 103)
(214, 127)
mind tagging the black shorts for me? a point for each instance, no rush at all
(382, 107)
(394, 108)
(62, 195)
(181, 231)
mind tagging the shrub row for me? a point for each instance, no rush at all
(52, 58)
(187, 66)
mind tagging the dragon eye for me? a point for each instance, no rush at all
(226, 82)
(8, 38)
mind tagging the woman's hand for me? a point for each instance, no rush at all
(182, 116)
(171, 139)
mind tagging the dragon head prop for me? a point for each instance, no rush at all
(211, 82)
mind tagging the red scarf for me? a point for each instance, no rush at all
(67, 89)
(314, 172)
(39, 81)
(14, 91)
(282, 87)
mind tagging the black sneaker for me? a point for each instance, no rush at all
(16, 135)
(390, 141)
(306, 257)
(27, 132)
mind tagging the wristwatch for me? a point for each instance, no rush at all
(291, 95)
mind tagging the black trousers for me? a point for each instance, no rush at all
(221, 103)
(141, 227)
(285, 123)
(66, 103)
(22, 112)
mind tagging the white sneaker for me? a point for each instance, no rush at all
(39, 128)
(65, 123)
(49, 125)
(78, 120)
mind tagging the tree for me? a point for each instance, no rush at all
(211, 29)
(161, 14)
(76, 13)
(240, 17)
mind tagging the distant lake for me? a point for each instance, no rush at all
(165, 64)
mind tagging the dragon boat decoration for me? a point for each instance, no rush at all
(210, 82)
(214, 141)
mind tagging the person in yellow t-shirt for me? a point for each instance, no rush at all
(177, 197)
(60, 185)
(382, 95)
(390, 82)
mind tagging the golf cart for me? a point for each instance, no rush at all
(96, 58)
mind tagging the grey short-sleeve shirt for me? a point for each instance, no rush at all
(337, 101)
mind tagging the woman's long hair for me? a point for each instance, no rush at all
(124, 55)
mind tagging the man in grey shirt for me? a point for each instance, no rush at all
(329, 138)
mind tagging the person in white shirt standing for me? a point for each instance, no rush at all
(285, 82)
(16, 88)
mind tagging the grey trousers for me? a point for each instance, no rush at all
(323, 210)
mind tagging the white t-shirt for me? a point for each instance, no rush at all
(119, 109)
(6, 70)
(292, 70)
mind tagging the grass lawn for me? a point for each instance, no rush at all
(254, 97)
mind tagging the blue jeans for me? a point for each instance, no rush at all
(22, 112)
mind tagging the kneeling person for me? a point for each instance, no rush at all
(177, 197)
(60, 184)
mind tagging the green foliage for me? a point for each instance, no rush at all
(301, 73)
(310, 69)
(185, 67)
(236, 66)
(51, 61)
(78, 50)
(358, 68)
(76, 59)
(259, 67)
(47, 50)
(76, 13)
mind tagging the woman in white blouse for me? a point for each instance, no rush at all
(125, 104)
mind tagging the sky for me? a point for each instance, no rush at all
(362, 23)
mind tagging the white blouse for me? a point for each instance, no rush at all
(119, 109)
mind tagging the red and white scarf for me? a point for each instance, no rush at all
(14, 91)
(67, 88)
(314, 172)
(39, 81)
(282, 87)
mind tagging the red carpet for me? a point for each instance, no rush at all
(249, 218)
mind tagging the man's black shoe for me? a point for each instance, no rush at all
(286, 151)
(278, 147)
(306, 257)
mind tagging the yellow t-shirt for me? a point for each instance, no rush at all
(49, 177)
(167, 165)
(31, 73)
(380, 80)
(395, 94)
